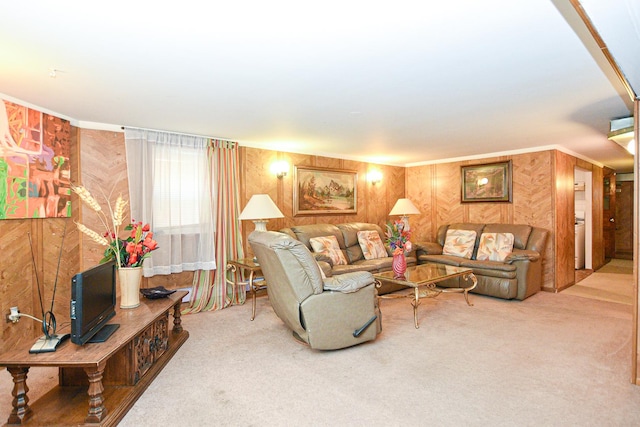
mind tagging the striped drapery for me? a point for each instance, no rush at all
(210, 289)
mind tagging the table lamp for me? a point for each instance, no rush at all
(259, 209)
(404, 208)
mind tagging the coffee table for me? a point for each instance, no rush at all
(423, 279)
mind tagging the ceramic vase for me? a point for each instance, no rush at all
(130, 278)
(399, 266)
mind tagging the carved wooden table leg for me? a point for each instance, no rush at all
(97, 410)
(21, 410)
(177, 321)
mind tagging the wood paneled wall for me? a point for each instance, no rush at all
(374, 201)
(18, 281)
(542, 196)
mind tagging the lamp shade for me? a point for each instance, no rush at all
(260, 206)
(404, 207)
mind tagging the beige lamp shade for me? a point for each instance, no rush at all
(259, 209)
(404, 208)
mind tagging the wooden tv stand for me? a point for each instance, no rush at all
(98, 383)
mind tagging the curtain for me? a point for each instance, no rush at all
(169, 184)
(211, 290)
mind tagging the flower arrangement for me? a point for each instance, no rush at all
(128, 252)
(398, 237)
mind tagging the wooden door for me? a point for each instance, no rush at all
(609, 210)
(624, 220)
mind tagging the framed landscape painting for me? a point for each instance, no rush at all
(490, 182)
(322, 191)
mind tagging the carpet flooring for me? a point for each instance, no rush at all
(551, 360)
(613, 282)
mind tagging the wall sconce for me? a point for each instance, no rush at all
(374, 177)
(280, 168)
(621, 132)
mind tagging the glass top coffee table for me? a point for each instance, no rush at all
(423, 279)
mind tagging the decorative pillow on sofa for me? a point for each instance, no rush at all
(459, 243)
(495, 246)
(328, 246)
(371, 245)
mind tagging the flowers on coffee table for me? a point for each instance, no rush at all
(398, 237)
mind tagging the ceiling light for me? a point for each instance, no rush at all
(621, 132)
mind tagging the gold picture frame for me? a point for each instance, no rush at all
(324, 191)
(489, 182)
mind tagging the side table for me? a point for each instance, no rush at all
(237, 266)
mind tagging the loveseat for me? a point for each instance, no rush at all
(505, 272)
(347, 239)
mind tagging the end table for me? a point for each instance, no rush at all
(248, 265)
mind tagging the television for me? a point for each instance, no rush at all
(93, 304)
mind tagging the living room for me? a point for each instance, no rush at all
(542, 185)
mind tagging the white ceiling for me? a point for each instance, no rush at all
(399, 83)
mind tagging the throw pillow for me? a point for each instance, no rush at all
(371, 245)
(459, 243)
(495, 246)
(328, 246)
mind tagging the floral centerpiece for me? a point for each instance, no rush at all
(128, 252)
(398, 238)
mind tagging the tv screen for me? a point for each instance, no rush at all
(93, 302)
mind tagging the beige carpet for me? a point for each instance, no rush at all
(551, 360)
(613, 282)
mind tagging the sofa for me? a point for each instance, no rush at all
(346, 235)
(502, 271)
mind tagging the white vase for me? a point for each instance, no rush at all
(130, 278)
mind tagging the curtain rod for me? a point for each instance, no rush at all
(180, 133)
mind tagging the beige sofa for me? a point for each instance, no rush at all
(517, 277)
(347, 236)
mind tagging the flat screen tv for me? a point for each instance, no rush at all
(93, 304)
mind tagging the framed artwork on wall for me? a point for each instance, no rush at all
(489, 182)
(322, 191)
(35, 167)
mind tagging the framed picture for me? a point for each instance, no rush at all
(322, 191)
(490, 182)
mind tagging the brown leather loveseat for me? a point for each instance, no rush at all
(517, 276)
(347, 237)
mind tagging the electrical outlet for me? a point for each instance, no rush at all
(13, 315)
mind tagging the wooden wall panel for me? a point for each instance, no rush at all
(533, 201)
(564, 231)
(597, 212)
(18, 284)
(447, 187)
(420, 181)
(374, 201)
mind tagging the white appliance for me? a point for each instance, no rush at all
(580, 248)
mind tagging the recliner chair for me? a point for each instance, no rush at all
(326, 313)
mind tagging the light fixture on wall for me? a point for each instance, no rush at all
(280, 168)
(621, 132)
(374, 177)
(404, 208)
(259, 210)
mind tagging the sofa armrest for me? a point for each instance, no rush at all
(428, 248)
(348, 282)
(522, 255)
(322, 258)
(326, 268)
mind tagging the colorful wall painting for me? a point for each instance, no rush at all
(35, 172)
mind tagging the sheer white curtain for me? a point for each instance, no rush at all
(169, 189)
